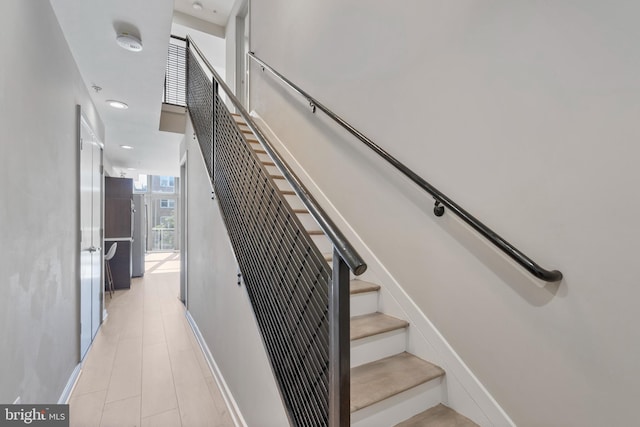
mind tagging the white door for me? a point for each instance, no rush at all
(90, 235)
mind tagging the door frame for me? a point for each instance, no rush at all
(184, 235)
(81, 121)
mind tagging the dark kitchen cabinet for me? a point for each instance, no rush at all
(118, 201)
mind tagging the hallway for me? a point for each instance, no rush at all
(145, 367)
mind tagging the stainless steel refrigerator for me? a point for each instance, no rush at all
(139, 244)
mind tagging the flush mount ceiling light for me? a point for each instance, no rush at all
(117, 104)
(127, 147)
(129, 42)
(197, 5)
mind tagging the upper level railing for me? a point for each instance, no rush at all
(300, 302)
(441, 200)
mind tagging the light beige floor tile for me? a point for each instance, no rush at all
(176, 334)
(185, 367)
(158, 391)
(202, 362)
(122, 413)
(126, 377)
(86, 410)
(196, 406)
(224, 418)
(153, 330)
(166, 419)
(145, 346)
(104, 345)
(134, 326)
(92, 379)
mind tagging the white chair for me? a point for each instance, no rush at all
(109, 255)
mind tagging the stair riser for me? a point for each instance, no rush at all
(364, 303)
(308, 222)
(323, 243)
(379, 346)
(398, 408)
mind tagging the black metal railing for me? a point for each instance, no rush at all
(175, 73)
(441, 200)
(301, 303)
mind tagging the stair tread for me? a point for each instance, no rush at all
(362, 286)
(373, 324)
(438, 416)
(315, 232)
(381, 379)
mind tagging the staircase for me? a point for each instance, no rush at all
(389, 386)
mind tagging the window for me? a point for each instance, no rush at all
(163, 184)
(140, 184)
(167, 203)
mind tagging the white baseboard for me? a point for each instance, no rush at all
(234, 410)
(71, 384)
(465, 393)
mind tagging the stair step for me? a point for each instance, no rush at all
(379, 380)
(438, 416)
(373, 324)
(361, 287)
(315, 232)
(268, 163)
(364, 297)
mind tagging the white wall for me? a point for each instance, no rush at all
(212, 47)
(230, 38)
(220, 307)
(39, 309)
(526, 115)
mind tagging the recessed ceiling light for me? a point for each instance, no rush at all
(127, 147)
(131, 169)
(197, 5)
(129, 42)
(117, 104)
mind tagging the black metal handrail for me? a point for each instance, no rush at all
(441, 200)
(345, 249)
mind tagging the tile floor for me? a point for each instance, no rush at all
(145, 367)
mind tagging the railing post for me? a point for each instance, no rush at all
(339, 345)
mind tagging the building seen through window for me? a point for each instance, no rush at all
(161, 200)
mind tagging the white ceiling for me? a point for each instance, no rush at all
(137, 79)
(215, 11)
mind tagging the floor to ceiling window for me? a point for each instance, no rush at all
(161, 202)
